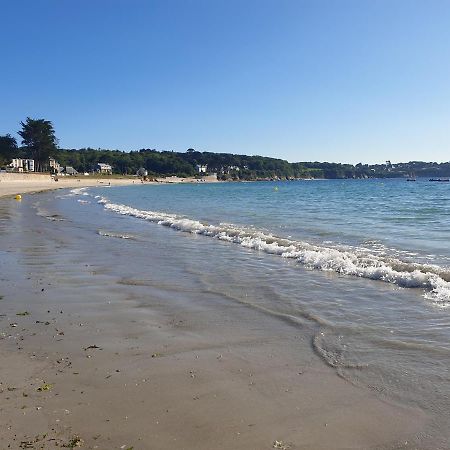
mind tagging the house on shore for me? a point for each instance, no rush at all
(201, 169)
(229, 169)
(104, 169)
(21, 165)
(69, 170)
(55, 167)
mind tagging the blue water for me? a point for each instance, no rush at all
(410, 218)
(364, 265)
(389, 230)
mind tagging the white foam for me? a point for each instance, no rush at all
(115, 235)
(79, 191)
(343, 260)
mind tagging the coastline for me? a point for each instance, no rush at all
(125, 363)
(26, 184)
(14, 184)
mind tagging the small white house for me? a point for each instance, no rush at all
(54, 165)
(201, 169)
(104, 168)
(22, 165)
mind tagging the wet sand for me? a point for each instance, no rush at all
(87, 362)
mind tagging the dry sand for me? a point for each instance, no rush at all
(84, 363)
(13, 184)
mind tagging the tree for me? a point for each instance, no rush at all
(8, 148)
(38, 136)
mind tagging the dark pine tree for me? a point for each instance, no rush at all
(8, 148)
(38, 137)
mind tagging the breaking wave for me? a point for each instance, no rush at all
(358, 262)
(79, 191)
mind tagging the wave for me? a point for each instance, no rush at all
(41, 212)
(352, 261)
(114, 235)
(79, 191)
(333, 354)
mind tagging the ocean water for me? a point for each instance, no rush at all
(386, 230)
(362, 265)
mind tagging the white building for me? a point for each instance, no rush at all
(17, 164)
(22, 165)
(54, 165)
(104, 168)
(201, 169)
(228, 169)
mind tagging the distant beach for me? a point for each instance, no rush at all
(14, 183)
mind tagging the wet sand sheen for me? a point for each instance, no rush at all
(125, 362)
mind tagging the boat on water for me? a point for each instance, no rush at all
(410, 179)
(441, 180)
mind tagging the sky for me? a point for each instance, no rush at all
(317, 80)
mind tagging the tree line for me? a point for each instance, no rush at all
(38, 142)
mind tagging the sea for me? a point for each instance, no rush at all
(362, 265)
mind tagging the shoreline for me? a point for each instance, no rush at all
(22, 185)
(120, 361)
(9, 187)
(14, 184)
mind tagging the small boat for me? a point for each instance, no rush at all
(441, 180)
(410, 179)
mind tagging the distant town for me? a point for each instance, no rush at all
(39, 152)
(256, 167)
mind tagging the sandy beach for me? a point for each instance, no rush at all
(13, 184)
(225, 225)
(95, 358)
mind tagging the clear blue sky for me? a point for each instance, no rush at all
(343, 81)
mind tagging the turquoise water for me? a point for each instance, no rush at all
(389, 230)
(411, 218)
(361, 265)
